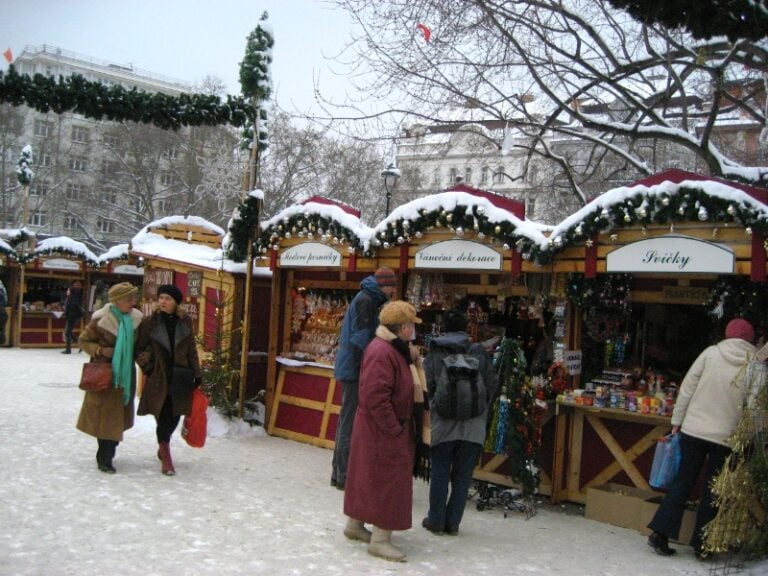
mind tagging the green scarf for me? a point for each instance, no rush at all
(122, 359)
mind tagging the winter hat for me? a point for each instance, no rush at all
(171, 291)
(122, 290)
(740, 328)
(398, 312)
(385, 277)
(455, 320)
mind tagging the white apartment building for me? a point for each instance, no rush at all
(95, 180)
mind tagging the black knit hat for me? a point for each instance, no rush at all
(171, 291)
(455, 320)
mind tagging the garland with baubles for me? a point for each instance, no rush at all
(686, 205)
(739, 297)
(460, 220)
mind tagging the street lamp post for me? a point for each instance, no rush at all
(391, 175)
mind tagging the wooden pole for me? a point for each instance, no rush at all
(22, 263)
(246, 322)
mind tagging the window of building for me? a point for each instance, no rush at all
(467, 175)
(110, 196)
(499, 175)
(452, 173)
(172, 153)
(530, 207)
(484, 175)
(77, 164)
(38, 218)
(436, 178)
(74, 191)
(80, 134)
(42, 128)
(39, 188)
(70, 222)
(110, 140)
(105, 225)
(44, 159)
(162, 205)
(167, 178)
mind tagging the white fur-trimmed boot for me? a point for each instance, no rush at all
(356, 530)
(381, 546)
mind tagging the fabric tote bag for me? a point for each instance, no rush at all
(666, 461)
(195, 426)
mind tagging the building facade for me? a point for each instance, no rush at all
(100, 181)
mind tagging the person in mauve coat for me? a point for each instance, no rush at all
(379, 487)
(73, 312)
(109, 338)
(166, 339)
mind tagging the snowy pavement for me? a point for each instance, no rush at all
(247, 503)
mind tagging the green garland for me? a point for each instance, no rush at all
(739, 297)
(460, 220)
(686, 205)
(95, 100)
(240, 228)
(256, 81)
(515, 427)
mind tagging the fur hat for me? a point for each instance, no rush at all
(455, 320)
(171, 291)
(385, 277)
(398, 312)
(740, 328)
(122, 290)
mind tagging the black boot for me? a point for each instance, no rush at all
(660, 544)
(67, 350)
(105, 454)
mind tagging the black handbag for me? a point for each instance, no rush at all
(182, 380)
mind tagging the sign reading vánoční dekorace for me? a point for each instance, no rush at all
(458, 254)
(310, 254)
(61, 264)
(672, 253)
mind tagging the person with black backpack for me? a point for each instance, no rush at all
(460, 382)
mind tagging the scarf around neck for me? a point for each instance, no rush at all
(122, 359)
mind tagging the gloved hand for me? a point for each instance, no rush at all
(107, 352)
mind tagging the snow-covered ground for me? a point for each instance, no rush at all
(247, 503)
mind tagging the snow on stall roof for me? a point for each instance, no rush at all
(186, 220)
(448, 201)
(326, 209)
(668, 183)
(117, 252)
(66, 245)
(14, 235)
(147, 243)
(6, 248)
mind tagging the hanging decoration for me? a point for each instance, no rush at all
(94, 100)
(738, 297)
(515, 421)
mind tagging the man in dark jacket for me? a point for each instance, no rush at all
(456, 444)
(357, 331)
(73, 312)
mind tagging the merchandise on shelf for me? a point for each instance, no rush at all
(316, 319)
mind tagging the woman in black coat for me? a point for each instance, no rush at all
(166, 344)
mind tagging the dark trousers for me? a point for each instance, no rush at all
(167, 422)
(106, 451)
(349, 401)
(69, 327)
(696, 454)
(452, 464)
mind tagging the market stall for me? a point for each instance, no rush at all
(7, 256)
(43, 275)
(656, 271)
(187, 252)
(115, 265)
(313, 250)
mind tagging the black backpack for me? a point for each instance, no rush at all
(460, 392)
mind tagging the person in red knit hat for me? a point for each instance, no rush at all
(707, 411)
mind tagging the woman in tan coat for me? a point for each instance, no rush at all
(166, 340)
(109, 338)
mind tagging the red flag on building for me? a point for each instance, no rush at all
(8, 55)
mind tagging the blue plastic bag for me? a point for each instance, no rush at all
(666, 461)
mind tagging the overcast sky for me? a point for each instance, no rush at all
(190, 39)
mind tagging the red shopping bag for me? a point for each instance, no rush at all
(195, 425)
